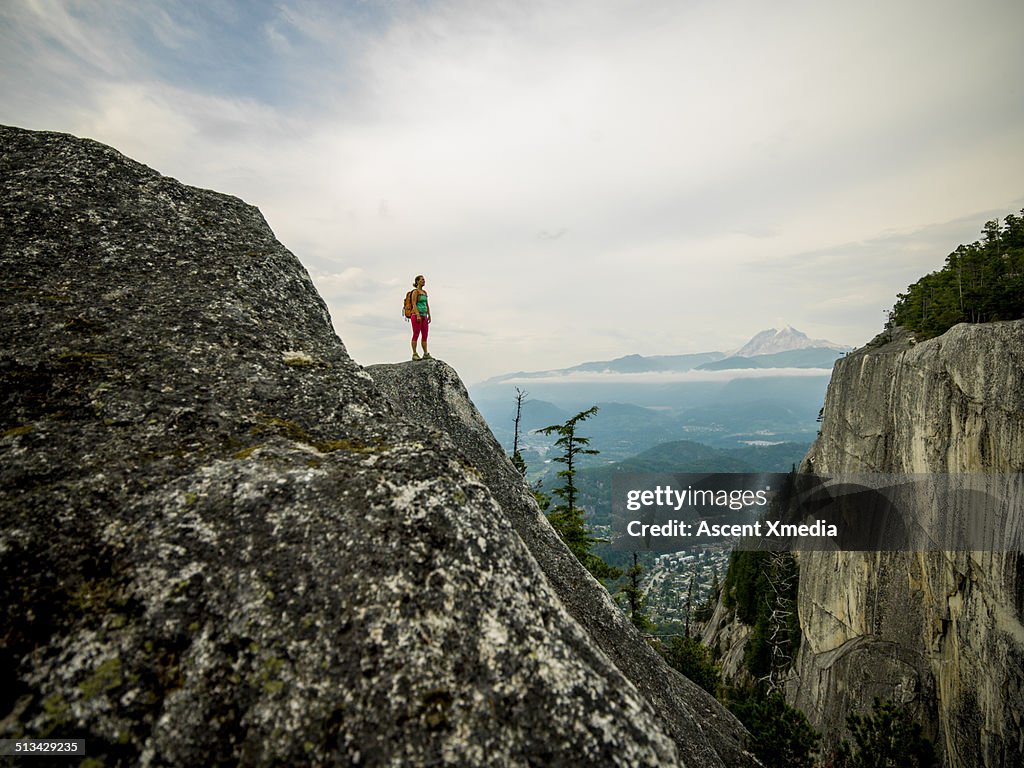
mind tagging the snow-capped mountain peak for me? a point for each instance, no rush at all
(789, 338)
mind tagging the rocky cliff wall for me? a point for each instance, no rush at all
(727, 636)
(218, 545)
(939, 632)
(430, 393)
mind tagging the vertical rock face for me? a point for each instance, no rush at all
(431, 394)
(217, 543)
(940, 632)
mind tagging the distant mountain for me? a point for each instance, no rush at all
(537, 414)
(789, 338)
(642, 364)
(680, 456)
(805, 357)
(760, 352)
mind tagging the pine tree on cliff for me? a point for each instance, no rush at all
(567, 518)
(887, 736)
(634, 595)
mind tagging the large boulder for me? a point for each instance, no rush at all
(431, 393)
(218, 545)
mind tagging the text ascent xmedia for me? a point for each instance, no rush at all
(667, 496)
(677, 529)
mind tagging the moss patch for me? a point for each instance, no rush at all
(97, 597)
(270, 675)
(298, 434)
(327, 446)
(277, 426)
(56, 715)
(107, 677)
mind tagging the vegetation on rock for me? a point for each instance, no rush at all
(887, 737)
(782, 737)
(981, 282)
(633, 593)
(567, 518)
(691, 657)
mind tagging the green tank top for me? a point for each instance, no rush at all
(421, 304)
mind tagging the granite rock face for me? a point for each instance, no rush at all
(430, 393)
(727, 636)
(218, 544)
(939, 632)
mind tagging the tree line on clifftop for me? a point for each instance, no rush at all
(981, 282)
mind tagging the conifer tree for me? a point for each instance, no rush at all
(567, 518)
(781, 736)
(692, 658)
(888, 736)
(634, 595)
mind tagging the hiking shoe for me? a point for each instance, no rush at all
(415, 356)
(426, 356)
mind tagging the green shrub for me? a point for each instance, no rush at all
(689, 656)
(781, 735)
(886, 738)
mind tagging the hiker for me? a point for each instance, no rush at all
(420, 316)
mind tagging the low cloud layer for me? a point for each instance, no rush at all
(661, 377)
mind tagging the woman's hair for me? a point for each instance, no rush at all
(416, 280)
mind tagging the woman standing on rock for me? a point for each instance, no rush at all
(420, 316)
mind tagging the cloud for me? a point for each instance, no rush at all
(580, 180)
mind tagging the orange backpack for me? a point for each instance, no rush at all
(407, 307)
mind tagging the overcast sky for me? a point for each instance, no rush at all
(577, 180)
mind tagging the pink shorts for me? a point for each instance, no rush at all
(419, 325)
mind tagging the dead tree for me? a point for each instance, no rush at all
(781, 575)
(520, 396)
